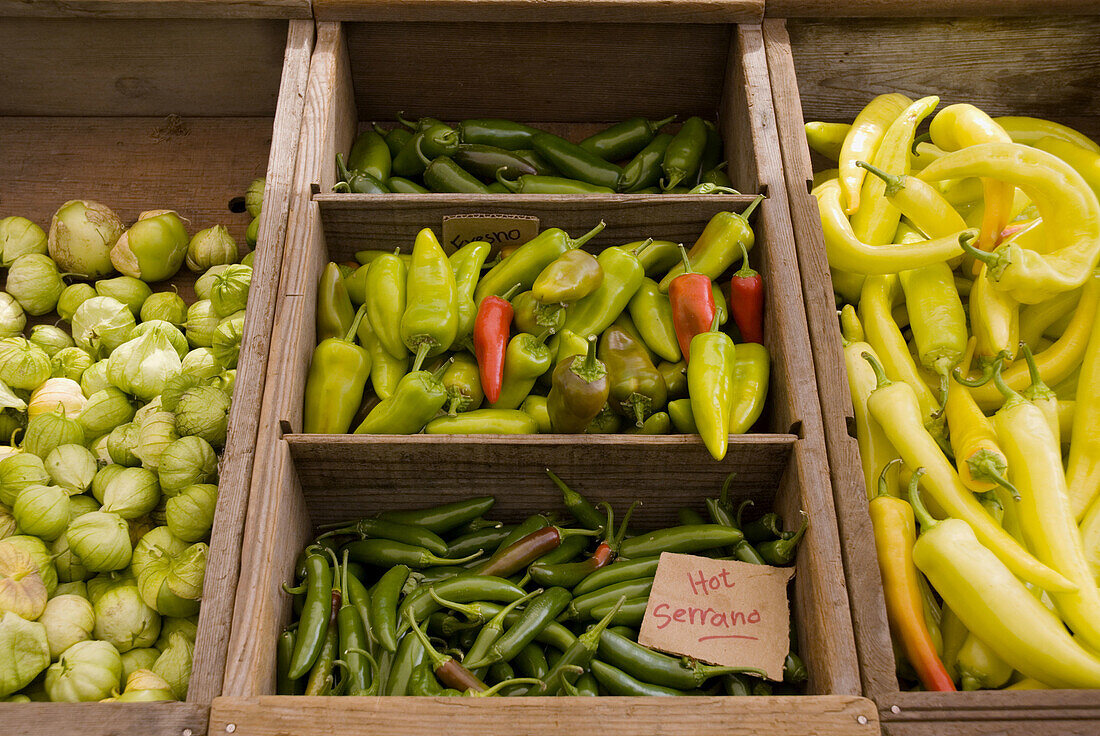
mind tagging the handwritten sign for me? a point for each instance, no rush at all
(720, 611)
(499, 231)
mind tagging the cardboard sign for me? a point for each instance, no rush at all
(496, 230)
(721, 612)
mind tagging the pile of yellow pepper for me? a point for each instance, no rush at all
(965, 260)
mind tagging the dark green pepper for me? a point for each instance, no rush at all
(575, 162)
(675, 375)
(485, 162)
(684, 153)
(496, 132)
(401, 185)
(357, 182)
(442, 174)
(572, 276)
(370, 155)
(617, 682)
(533, 317)
(285, 650)
(644, 170)
(624, 139)
(635, 387)
(712, 151)
(541, 166)
(444, 518)
(717, 176)
(578, 393)
(535, 184)
(418, 397)
(387, 553)
(437, 140)
(782, 551)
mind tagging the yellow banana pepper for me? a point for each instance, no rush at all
(863, 140)
(827, 138)
(920, 202)
(1084, 161)
(1030, 131)
(1083, 473)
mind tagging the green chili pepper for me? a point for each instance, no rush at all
(684, 153)
(386, 371)
(710, 386)
(587, 686)
(489, 634)
(465, 588)
(579, 654)
(689, 516)
(526, 358)
(313, 622)
(467, 262)
(712, 151)
(386, 297)
(533, 317)
(527, 261)
(424, 683)
(583, 605)
(395, 139)
(485, 161)
(405, 533)
(401, 185)
(750, 386)
(355, 284)
(651, 312)
(635, 387)
(541, 166)
(334, 310)
(719, 245)
(526, 550)
(386, 552)
(536, 615)
(631, 614)
(572, 276)
(531, 662)
(360, 596)
(418, 397)
(579, 392)
(535, 407)
(617, 682)
(736, 685)
(657, 256)
(622, 277)
(338, 374)
(624, 139)
(437, 140)
(353, 642)
(497, 188)
(321, 677)
(410, 655)
(575, 162)
(569, 549)
(430, 322)
(462, 381)
(766, 528)
(569, 344)
(658, 423)
(530, 524)
(285, 650)
(357, 182)
(660, 669)
(580, 507)
(477, 540)
(537, 184)
(717, 176)
(683, 539)
(370, 155)
(644, 170)
(495, 132)
(444, 518)
(484, 421)
(782, 551)
(443, 174)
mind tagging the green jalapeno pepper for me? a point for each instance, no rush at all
(393, 531)
(353, 643)
(630, 614)
(766, 528)
(750, 386)
(622, 277)
(420, 125)
(525, 359)
(485, 161)
(418, 397)
(578, 393)
(569, 549)
(284, 651)
(357, 182)
(575, 162)
(496, 132)
(424, 683)
(675, 375)
(313, 622)
(395, 139)
(534, 317)
(430, 322)
(484, 421)
(717, 176)
(719, 245)
(444, 518)
(464, 588)
(644, 170)
(386, 552)
(624, 139)
(539, 184)
(535, 407)
(541, 166)
(386, 298)
(462, 381)
(635, 387)
(525, 264)
(657, 423)
(321, 678)
(539, 612)
(712, 151)
(437, 140)
(401, 185)
(334, 310)
(710, 386)
(684, 153)
(489, 634)
(386, 371)
(573, 275)
(467, 262)
(530, 524)
(651, 312)
(371, 155)
(577, 505)
(338, 374)
(443, 174)
(782, 551)
(688, 516)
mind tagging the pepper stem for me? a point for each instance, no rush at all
(927, 521)
(541, 337)
(590, 369)
(621, 534)
(655, 125)
(894, 184)
(507, 296)
(1038, 390)
(639, 404)
(420, 151)
(407, 123)
(350, 335)
(648, 242)
(985, 468)
(712, 188)
(746, 271)
(566, 685)
(925, 137)
(452, 410)
(438, 660)
(341, 187)
(1006, 390)
(755, 203)
(686, 257)
(512, 186)
(609, 528)
(422, 349)
(574, 244)
(716, 322)
(741, 510)
(883, 488)
(796, 537)
(727, 485)
(987, 373)
(342, 168)
(489, 692)
(979, 255)
(591, 638)
(472, 613)
(880, 374)
(379, 129)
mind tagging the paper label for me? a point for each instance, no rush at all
(499, 231)
(721, 612)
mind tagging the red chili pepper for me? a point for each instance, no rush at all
(692, 304)
(492, 328)
(747, 301)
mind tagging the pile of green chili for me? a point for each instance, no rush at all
(488, 156)
(443, 601)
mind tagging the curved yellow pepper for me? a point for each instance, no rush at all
(1030, 131)
(863, 140)
(1083, 473)
(827, 138)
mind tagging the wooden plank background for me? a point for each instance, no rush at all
(926, 8)
(213, 9)
(543, 11)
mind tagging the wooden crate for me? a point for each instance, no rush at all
(140, 109)
(601, 72)
(1047, 67)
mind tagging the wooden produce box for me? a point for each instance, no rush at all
(577, 76)
(828, 69)
(142, 111)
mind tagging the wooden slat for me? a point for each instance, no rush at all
(220, 584)
(748, 716)
(1048, 68)
(643, 69)
(992, 713)
(103, 719)
(865, 586)
(926, 8)
(542, 11)
(348, 475)
(139, 68)
(156, 8)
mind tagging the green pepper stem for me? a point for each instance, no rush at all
(423, 347)
(489, 692)
(1011, 397)
(407, 123)
(609, 528)
(925, 137)
(716, 322)
(926, 520)
(566, 685)
(795, 538)
(379, 130)
(341, 187)
(894, 184)
(574, 244)
(656, 125)
(986, 471)
(342, 168)
(741, 510)
(590, 369)
(472, 613)
(755, 203)
(349, 336)
(294, 591)
(1038, 390)
(506, 183)
(686, 257)
(452, 410)
(882, 485)
(511, 292)
(746, 271)
(420, 151)
(987, 374)
(617, 540)
(436, 560)
(541, 337)
(727, 485)
(989, 259)
(880, 374)
(590, 639)
(438, 660)
(637, 251)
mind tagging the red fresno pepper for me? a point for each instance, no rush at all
(492, 328)
(692, 304)
(747, 301)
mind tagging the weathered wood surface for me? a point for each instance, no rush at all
(831, 715)
(992, 713)
(206, 9)
(103, 719)
(926, 8)
(542, 11)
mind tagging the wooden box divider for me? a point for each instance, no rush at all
(301, 481)
(988, 62)
(139, 132)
